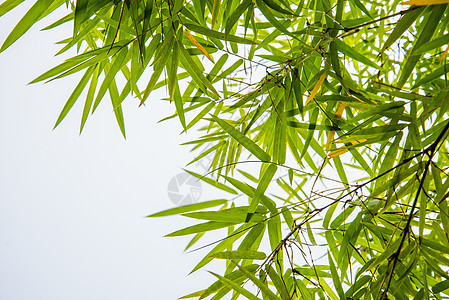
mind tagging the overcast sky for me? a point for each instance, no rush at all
(72, 207)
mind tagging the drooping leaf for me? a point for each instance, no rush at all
(30, 18)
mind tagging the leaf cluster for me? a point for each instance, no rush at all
(347, 98)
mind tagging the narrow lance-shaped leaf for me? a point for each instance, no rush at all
(426, 34)
(243, 140)
(236, 287)
(261, 285)
(30, 18)
(213, 182)
(199, 46)
(349, 51)
(194, 71)
(239, 254)
(261, 188)
(9, 5)
(75, 95)
(188, 208)
(158, 65)
(80, 11)
(90, 96)
(202, 227)
(116, 105)
(234, 17)
(218, 35)
(404, 23)
(117, 64)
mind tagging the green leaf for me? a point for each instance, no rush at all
(224, 244)
(30, 18)
(90, 96)
(117, 64)
(426, 34)
(215, 34)
(361, 6)
(278, 282)
(190, 66)
(80, 12)
(9, 5)
(271, 18)
(404, 23)
(187, 208)
(435, 245)
(236, 276)
(274, 6)
(173, 72)
(436, 43)
(213, 182)
(303, 290)
(202, 227)
(261, 188)
(238, 254)
(432, 76)
(235, 16)
(86, 59)
(440, 287)
(349, 51)
(261, 285)
(249, 191)
(158, 65)
(231, 284)
(75, 95)
(335, 277)
(243, 140)
(115, 99)
(236, 215)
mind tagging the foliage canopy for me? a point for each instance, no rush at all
(347, 99)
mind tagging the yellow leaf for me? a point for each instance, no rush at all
(342, 150)
(198, 45)
(337, 152)
(444, 54)
(215, 10)
(424, 2)
(316, 88)
(331, 134)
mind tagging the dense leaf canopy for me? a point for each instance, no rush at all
(340, 107)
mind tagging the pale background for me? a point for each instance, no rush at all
(72, 208)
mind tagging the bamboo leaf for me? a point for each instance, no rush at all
(236, 215)
(316, 88)
(424, 2)
(212, 182)
(188, 208)
(349, 51)
(74, 96)
(261, 285)
(30, 18)
(235, 287)
(218, 35)
(243, 140)
(234, 17)
(194, 71)
(117, 64)
(199, 46)
(404, 23)
(9, 5)
(236, 276)
(426, 34)
(238, 254)
(261, 188)
(202, 227)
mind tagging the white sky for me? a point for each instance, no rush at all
(72, 207)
